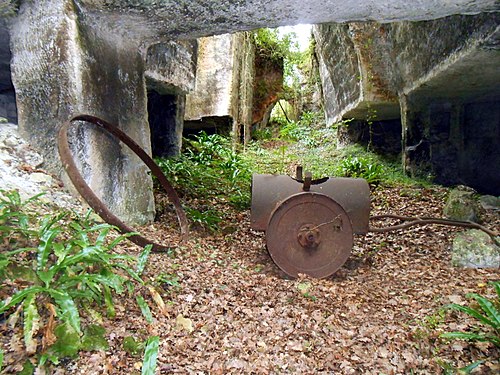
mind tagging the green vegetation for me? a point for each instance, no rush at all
(64, 266)
(150, 356)
(208, 174)
(211, 175)
(486, 312)
(8, 8)
(284, 49)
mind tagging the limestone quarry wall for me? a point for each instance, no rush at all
(235, 85)
(432, 75)
(102, 58)
(62, 66)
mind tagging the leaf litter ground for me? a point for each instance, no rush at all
(229, 309)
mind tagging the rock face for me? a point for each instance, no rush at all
(170, 75)
(438, 78)
(20, 170)
(225, 71)
(235, 85)
(62, 66)
(182, 19)
(8, 109)
(118, 60)
(474, 249)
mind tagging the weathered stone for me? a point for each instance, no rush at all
(171, 67)
(170, 74)
(84, 68)
(42, 178)
(224, 90)
(217, 78)
(235, 85)
(489, 202)
(474, 249)
(444, 93)
(267, 83)
(149, 20)
(8, 107)
(17, 165)
(462, 205)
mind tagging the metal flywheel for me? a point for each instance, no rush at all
(309, 233)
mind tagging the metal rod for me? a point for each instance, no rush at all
(412, 221)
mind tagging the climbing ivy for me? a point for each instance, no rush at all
(283, 49)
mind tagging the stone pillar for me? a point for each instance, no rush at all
(61, 67)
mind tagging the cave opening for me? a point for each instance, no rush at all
(8, 108)
(165, 122)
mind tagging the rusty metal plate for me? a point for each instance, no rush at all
(309, 233)
(268, 191)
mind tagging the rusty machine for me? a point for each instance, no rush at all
(309, 224)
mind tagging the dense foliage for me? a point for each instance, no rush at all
(64, 265)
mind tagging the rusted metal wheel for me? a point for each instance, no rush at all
(309, 233)
(91, 198)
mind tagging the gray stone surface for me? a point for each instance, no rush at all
(101, 57)
(224, 90)
(62, 66)
(489, 202)
(439, 78)
(474, 249)
(193, 18)
(368, 66)
(217, 78)
(462, 205)
(20, 170)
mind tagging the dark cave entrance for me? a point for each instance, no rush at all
(165, 121)
(211, 125)
(383, 137)
(8, 108)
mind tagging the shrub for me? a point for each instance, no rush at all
(70, 263)
(210, 169)
(359, 167)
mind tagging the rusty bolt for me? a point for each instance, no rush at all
(309, 236)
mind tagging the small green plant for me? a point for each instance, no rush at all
(150, 355)
(449, 369)
(208, 219)
(359, 167)
(169, 280)
(133, 346)
(486, 312)
(71, 265)
(14, 220)
(148, 348)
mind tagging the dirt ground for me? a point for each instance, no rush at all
(229, 309)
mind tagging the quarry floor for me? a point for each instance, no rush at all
(229, 309)
(234, 311)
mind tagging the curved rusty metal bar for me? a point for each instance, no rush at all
(412, 221)
(95, 203)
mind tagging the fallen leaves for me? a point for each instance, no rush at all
(236, 312)
(184, 323)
